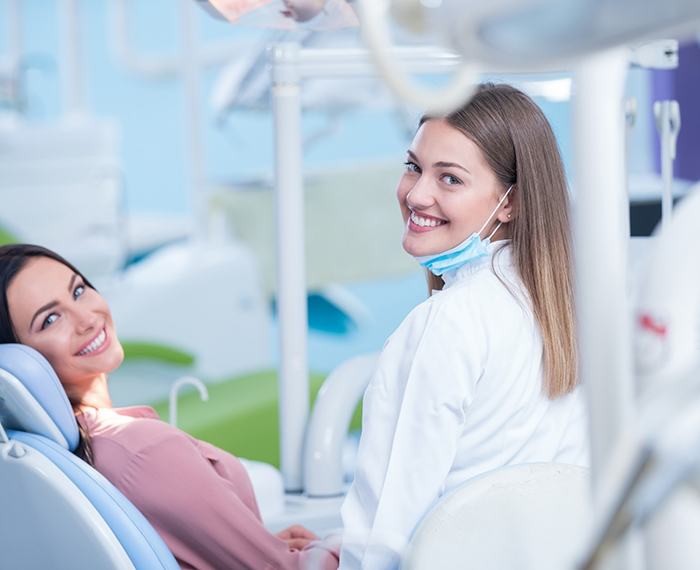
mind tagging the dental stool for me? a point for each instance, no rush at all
(524, 517)
(58, 512)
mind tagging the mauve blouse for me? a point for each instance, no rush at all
(198, 497)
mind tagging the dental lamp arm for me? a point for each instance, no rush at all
(376, 35)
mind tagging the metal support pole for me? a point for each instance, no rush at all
(601, 247)
(601, 244)
(191, 85)
(291, 264)
(71, 69)
(668, 122)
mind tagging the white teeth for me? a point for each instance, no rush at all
(95, 344)
(425, 222)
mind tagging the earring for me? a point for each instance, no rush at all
(509, 216)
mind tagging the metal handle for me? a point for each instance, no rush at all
(196, 382)
(668, 123)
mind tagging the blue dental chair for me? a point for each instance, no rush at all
(57, 511)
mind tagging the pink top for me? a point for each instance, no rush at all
(198, 497)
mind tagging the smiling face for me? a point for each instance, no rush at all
(448, 191)
(56, 313)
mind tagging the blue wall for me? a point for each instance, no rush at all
(151, 112)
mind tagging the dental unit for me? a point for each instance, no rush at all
(640, 354)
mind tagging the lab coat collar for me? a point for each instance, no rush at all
(502, 259)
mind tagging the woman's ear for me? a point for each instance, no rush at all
(507, 212)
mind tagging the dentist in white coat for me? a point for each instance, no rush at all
(483, 373)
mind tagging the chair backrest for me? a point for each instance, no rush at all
(57, 511)
(531, 516)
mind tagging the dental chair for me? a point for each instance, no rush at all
(525, 517)
(58, 512)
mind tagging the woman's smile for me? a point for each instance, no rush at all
(96, 345)
(420, 222)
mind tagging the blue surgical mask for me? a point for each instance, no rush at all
(469, 250)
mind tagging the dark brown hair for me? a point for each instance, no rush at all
(13, 258)
(518, 143)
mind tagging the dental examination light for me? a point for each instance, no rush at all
(515, 35)
(303, 10)
(209, 8)
(299, 10)
(284, 14)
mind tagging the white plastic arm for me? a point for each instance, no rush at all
(432, 101)
(330, 420)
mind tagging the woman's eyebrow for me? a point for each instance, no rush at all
(52, 304)
(443, 164)
(46, 307)
(439, 164)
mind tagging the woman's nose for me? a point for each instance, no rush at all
(421, 195)
(85, 321)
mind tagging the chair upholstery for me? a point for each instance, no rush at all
(39, 420)
(32, 398)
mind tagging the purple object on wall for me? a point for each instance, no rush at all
(683, 85)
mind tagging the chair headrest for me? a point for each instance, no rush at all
(32, 398)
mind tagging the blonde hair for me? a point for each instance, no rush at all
(519, 145)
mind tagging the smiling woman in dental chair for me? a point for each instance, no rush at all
(481, 375)
(198, 497)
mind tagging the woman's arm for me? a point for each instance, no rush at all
(413, 414)
(200, 515)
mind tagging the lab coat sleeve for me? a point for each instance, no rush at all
(200, 515)
(414, 410)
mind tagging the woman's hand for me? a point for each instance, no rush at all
(297, 537)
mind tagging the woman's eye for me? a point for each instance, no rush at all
(450, 180)
(78, 291)
(411, 166)
(49, 320)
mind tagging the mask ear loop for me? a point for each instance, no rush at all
(494, 230)
(486, 223)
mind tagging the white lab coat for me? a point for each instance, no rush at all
(457, 392)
